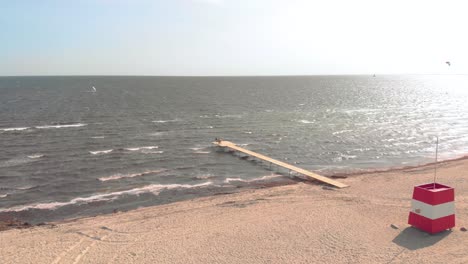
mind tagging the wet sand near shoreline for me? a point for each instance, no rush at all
(300, 223)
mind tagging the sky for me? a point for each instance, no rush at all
(232, 37)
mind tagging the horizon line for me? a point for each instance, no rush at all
(205, 76)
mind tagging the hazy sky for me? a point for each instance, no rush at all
(232, 37)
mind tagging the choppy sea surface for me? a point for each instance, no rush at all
(70, 150)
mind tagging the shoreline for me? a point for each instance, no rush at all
(13, 223)
(303, 222)
(396, 169)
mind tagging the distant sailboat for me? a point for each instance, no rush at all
(94, 89)
(373, 75)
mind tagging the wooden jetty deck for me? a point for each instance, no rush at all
(313, 176)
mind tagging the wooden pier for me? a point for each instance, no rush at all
(313, 176)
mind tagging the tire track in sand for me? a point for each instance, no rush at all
(59, 258)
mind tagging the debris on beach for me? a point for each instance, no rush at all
(394, 226)
(463, 229)
(339, 176)
(12, 224)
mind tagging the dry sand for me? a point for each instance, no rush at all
(301, 223)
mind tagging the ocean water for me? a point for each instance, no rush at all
(67, 150)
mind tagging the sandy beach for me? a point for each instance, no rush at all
(300, 223)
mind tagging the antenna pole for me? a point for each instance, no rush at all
(435, 164)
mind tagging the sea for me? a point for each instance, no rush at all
(88, 145)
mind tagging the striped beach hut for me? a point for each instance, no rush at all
(432, 208)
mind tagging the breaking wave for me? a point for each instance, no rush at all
(27, 187)
(342, 131)
(36, 156)
(343, 157)
(121, 176)
(61, 126)
(228, 116)
(263, 178)
(165, 121)
(141, 148)
(306, 121)
(157, 134)
(152, 188)
(97, 152)
(14, 129)
(153, 152)
(200, 150)
(204, 177)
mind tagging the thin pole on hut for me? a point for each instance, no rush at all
(435, 164)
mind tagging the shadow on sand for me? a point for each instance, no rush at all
(412, 238)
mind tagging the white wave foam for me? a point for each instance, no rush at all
(362, 149)
(36, 156)
(263, 178)
(27, 187)
(152, 188)
(3, 195)
(121, 176)
(97, 152)
(347, 157)
(142, 148)
(198, 148)
(204, 177)
(343, 157)
(201, 152)
(306, 121)
(98, 137)
(14, 128)
(228, 116)
(247, 132)
(342, 131)
(153, 152)
(157, 134)
(61, 126)
(165, 121)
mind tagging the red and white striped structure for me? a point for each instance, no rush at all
(432, 208)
